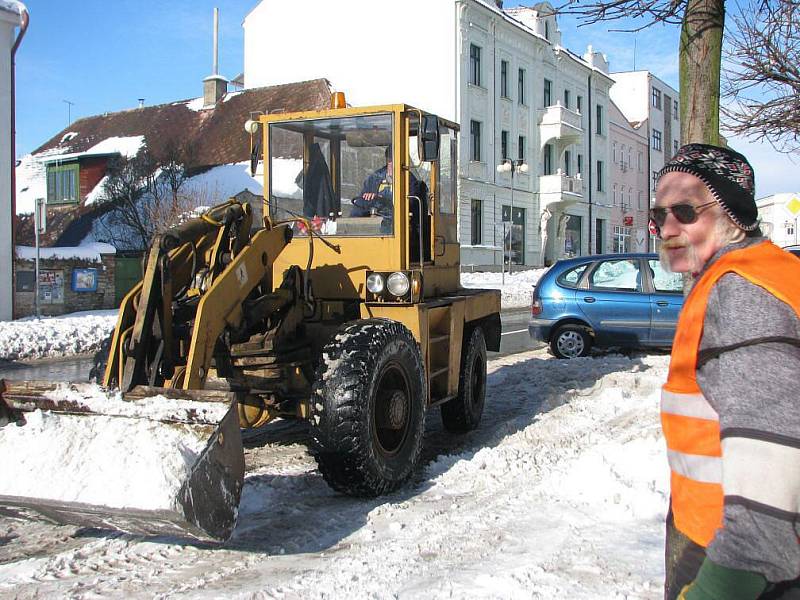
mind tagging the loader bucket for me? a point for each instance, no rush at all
(152, 462)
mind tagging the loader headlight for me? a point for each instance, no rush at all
(375, 283)
(398, 284)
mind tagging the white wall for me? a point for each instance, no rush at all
(8, 22)
(354, 45)
(780, 218)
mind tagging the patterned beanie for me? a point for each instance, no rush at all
(727, 175)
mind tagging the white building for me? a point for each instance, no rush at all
(10, 18)
(779, 216)
(630, 199)
(645, 99)
(502, 74)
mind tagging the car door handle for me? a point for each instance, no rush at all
(588, 299)
(662, 303)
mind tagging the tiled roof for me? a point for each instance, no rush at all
(217, 133)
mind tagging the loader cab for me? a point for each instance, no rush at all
(377, 183)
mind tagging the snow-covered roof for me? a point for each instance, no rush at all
(90, 252)
(12, 6)
(127, 146)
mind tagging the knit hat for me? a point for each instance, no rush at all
(727, 175)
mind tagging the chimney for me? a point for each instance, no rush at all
(141, 102)
(215, 86)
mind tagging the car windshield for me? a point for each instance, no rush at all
(331, 175)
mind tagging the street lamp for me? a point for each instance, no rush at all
(511, 166)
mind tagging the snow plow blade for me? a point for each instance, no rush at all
(153, 461)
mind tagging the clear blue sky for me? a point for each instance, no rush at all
(102, 55)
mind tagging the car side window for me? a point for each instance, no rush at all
(572, 277)
(664, 281)
(619, 275)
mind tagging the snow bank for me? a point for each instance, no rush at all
(75, 333)
(516, 289)
(89, 252)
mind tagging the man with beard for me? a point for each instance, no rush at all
(729, 408)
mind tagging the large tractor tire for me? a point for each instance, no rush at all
(463, 413)
(368, 408)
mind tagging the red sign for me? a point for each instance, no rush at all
(627, 221)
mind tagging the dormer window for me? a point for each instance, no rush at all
(63, 183)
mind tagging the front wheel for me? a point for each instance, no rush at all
(368, 408)
(463, 413)
(571, 341)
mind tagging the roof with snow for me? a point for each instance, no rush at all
(216, 132)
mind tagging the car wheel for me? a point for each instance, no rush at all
(571, 341)
(463, 413)
(368, 410)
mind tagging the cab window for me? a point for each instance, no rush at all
(333, 175)
(571, 278)
(664, 281)
(619, 275)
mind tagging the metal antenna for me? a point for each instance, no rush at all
(69, 111)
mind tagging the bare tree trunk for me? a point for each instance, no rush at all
(700, 63)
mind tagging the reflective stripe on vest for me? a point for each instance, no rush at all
(690, 423)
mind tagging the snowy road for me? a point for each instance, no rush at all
(559, 494)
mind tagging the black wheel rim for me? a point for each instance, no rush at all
(392, 409)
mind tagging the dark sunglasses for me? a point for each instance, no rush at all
(684, 213)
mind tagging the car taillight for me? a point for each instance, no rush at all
(536, 307)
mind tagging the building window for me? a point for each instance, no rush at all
(789, 226)
(504, 145)
(521, 86)
(655, 179)
(504, 79)
(639, 162)
(548, 159)
(622, 239)
(580, 164)
(674, 147)
(614, 195)
(656, 139)
(579, 104)
(547, 30)
(475, 140)
(474, 64)
(63, 183)
(675, 109)
(476, 222)
(657, 98)
(613, 151)
(567, 163)
(599, 124)
(522, 148)
(639, 199)
(548, 93)
(599, 175)
(566, 98)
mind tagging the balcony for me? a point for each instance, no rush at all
(559, 191)
(559, 123)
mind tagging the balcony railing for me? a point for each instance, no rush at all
(558, 115)
(560, 184)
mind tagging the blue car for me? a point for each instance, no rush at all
(605, 300)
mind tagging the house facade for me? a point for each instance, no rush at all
(11, 18)
(630, 199)
(780, 217)
(503, 75)
(650, 103)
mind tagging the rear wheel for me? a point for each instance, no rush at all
(368, 408)
(463, 413)
(571, 341)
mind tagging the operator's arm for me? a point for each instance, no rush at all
(755, 391)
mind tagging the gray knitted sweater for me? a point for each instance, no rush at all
(756, 392)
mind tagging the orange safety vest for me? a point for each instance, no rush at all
(690, 423)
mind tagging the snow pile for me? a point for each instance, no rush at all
(220, 183)
(111, 461)
(90, 252)
(516, 288)
(76, 333)
(159, 408)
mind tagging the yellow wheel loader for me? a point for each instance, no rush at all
(337, 302)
